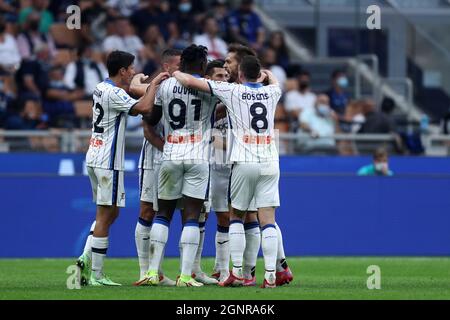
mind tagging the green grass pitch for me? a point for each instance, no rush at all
(315, 278)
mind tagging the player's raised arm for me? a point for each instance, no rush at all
(138, 85)
(192, 82)
(145, 104)
(270, 77)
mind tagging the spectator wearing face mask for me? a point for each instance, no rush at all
(320, 122)
(379, 167)
(338, 94)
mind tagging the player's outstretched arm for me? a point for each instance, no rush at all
(191, 82)
(138, 85)
(145, 104)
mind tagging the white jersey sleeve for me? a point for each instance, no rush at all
(121, 100)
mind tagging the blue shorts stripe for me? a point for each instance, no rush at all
(115, 187)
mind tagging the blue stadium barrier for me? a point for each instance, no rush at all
(46, 215)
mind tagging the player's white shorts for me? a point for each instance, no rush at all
(220, 183)
(148, 185)
(107, 186)
(177, 178)
(255, 180)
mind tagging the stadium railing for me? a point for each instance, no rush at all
(77, 141)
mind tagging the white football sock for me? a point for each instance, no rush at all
(88, 246)
(269, 244)
(280, 253)
(158, 240)
(190, 238)
(142, 238)
(237, 244)
(99, 249)
(253, 242)
(222, 263)
(197, 268)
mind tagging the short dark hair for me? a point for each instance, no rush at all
(169, 53)
(250, 67)
(304, 73)
(117, 60)
(194, 59)
(337, 72)
(214, 64)
(241, 51)
(380, 152)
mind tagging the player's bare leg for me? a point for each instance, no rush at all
(222, 262)
(106, 215)
(253, 243)
(237, 247)
(269, 244)
(189, 240)
(284, 274)
(158, 238)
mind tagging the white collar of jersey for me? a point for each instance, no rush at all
(108, 80)
(253, 84)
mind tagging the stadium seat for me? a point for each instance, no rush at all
(64, 37)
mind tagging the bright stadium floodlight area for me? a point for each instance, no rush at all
(245, 149)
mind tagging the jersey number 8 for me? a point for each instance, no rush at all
(260, 118)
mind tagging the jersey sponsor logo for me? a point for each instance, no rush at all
(192, 138)
(249, 139)
(96, 142)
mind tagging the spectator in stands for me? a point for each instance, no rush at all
(380, 165)
(29, 115)
(32, 76)
(123, 8)
(154, 46)
(31, 37)
(9, 52)
(38, 7)
(220, 12)
(186, 25)
(86, 72)
(8, 10)
(277, 43)
(375, 121)
(302, 98)
(338, 95)
(7, 96)
(123, 37)
(319, 122)
(269, 61)
(151, 13)
(246, 26)
(93, 21)
(58, 99)
(217, 48)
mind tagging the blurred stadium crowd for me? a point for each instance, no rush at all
(48, 72)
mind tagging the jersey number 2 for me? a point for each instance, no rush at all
(98, 129)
